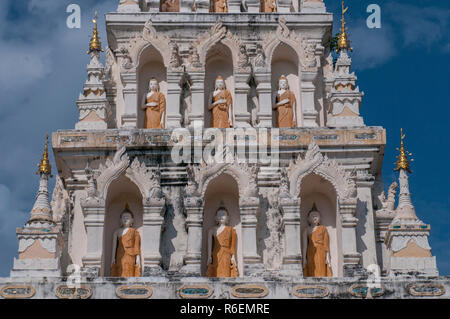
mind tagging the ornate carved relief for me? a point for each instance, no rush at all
(311, 291)
(151, 37)
(17, 292)
(112, 170)
(305, 48)
(60, 200)
(218, 34)
(315, 162)
(244, 174)
(148, 181)
(65, 292)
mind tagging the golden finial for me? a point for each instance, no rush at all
(95, 45)
(343, 41)
(44, 165)
(402, 158)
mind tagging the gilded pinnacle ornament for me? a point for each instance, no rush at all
(95, 46)
(44, 165)
(402, 158)
(343, 41)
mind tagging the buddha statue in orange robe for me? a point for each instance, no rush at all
(222, 104)
(170, 6)
(127, 259)
(154, 106)
(222, 241)
(285, 104)
(316, 248)
(219, 6)
(268, 6)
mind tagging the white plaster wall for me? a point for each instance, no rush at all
(285, 62)
(218, 62)
(77, 237)
(223, 188)
(317, 190)
(120, 192)
(151, 66)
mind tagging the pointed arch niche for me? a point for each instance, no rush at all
(316, 189)
(219, 61)
(151, 65)
(121, 191)
(222, 188)
(285, 61)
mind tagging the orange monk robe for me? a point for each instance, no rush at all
(219, 6)
(268, 6)
(128, 247)
(220, 117)
(153, 114)
(285, 112)
(224, 248)
(316, 254)
(170, 6)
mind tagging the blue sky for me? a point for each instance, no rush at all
(402, 68)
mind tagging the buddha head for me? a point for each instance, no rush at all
(126, 217)
(283, 83)
(222, 216)
(220, 83)
(153, 85)
(314, 216)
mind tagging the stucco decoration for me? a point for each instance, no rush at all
(147, 180)
(150, 37)
(400, 242)
(305, 48)
(112, 170)
(60, 200)
(219, 34)
(315, 162)
(244, 174)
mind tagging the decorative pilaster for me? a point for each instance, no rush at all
(308, 101)
(252, 260)
(129, 117)
(292, 258)
(173, 99)
(40, 241)
(198, 102)
(253, 6)
(93, 106)
(284, 6)
(186, 5)
(351, 256)
(194, 224)
(241, 90)
(234, 6)
(202, 6)
(154, 209)
(264, 91)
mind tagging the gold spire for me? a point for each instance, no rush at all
(402, 158)
(44, 165)
(95, 45)
(343, 41)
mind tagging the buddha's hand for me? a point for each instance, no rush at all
(328, 259)
(233, 259)
(222, 107)
(152, 104)
(138, 260)
(285, 101)
(209, 260)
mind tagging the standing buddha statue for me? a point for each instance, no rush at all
(222, 240)
(154, 106)
(126, 252)
(285, 104)
(221, 107)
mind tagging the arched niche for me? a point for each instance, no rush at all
(224, 189)
(151, 65)
(285, 61)
(121, 191)
(219, 61)
(315, 189)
